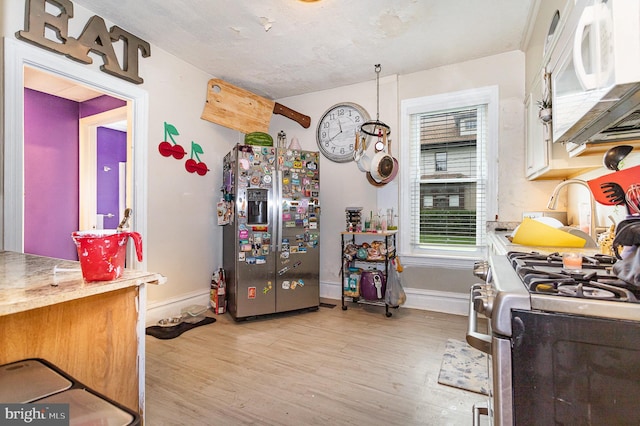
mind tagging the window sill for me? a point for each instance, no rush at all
(443, 260)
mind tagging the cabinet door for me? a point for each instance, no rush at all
(537, 144)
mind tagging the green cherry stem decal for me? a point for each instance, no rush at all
(194, 166)
(166, 148)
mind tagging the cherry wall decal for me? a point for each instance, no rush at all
(167, 149)
(194, 166)
(173, 149)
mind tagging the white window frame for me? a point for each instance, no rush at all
(444, 256)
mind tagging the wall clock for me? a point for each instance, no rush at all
(336, 133)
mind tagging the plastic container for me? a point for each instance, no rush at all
(102, 253)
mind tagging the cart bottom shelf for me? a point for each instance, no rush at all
(362, 301)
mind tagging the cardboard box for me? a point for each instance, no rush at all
(218, 300)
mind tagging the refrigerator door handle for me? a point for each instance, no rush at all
(277, 239)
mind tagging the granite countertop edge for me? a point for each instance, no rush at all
(28, 282)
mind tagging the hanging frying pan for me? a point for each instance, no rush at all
(394, 171)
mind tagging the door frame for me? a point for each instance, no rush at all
(17, 55)
(88, 175)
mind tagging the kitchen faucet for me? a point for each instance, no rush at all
(553, 202)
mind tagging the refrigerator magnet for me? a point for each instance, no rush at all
(251, 292)
(286, 285)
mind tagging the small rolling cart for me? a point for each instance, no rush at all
(366, 258)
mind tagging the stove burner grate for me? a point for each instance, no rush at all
(544, 274)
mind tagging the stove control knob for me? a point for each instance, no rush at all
(481, 269)
(488, 307)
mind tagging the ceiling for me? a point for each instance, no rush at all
(282, 48)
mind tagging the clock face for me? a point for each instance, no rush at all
(336, 134)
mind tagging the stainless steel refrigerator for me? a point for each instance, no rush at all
(271, 235)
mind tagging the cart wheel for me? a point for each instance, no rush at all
(344, 308)
(388, 314)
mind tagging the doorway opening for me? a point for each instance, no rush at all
(18, 57)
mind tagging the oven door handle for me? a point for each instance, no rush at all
(481, 342)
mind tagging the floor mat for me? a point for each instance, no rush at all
(176, 330)
(464, 367)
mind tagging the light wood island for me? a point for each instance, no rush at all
(92, 330)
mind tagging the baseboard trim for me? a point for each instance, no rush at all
(427, 300)
(173, 307)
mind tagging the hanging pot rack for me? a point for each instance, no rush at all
(376, 127)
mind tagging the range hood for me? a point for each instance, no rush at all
(615, 120)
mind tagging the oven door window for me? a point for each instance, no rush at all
(574, 370)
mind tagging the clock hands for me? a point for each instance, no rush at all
(336, 135)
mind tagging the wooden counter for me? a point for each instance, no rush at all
(93, 331)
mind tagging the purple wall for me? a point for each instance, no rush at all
(112, 149)
(51, 156)
(51, 175)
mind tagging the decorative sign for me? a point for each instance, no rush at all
(94, 38)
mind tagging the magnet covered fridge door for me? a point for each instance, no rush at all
(298, 230)
(248, 242)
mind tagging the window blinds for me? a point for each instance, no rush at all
(448, 177)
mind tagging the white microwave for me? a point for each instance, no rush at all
(595, 73)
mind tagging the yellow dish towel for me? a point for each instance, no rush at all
(534, 233)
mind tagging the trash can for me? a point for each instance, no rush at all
(38, 381)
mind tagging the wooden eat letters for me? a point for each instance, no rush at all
(94, 38)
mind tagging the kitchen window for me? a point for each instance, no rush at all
(450, 192)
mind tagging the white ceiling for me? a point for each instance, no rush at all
(281, 48)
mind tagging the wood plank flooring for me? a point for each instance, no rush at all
(329, 367)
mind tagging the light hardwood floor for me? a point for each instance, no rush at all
(329, 367)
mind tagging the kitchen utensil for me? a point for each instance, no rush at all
(381, 166)
(102, 252)
(633, 199)
(124, 223)
(615, 194)
(382, 163)
(239, 109)
(615, 155)
(364, 161)
(625, 178)
(394, 170)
